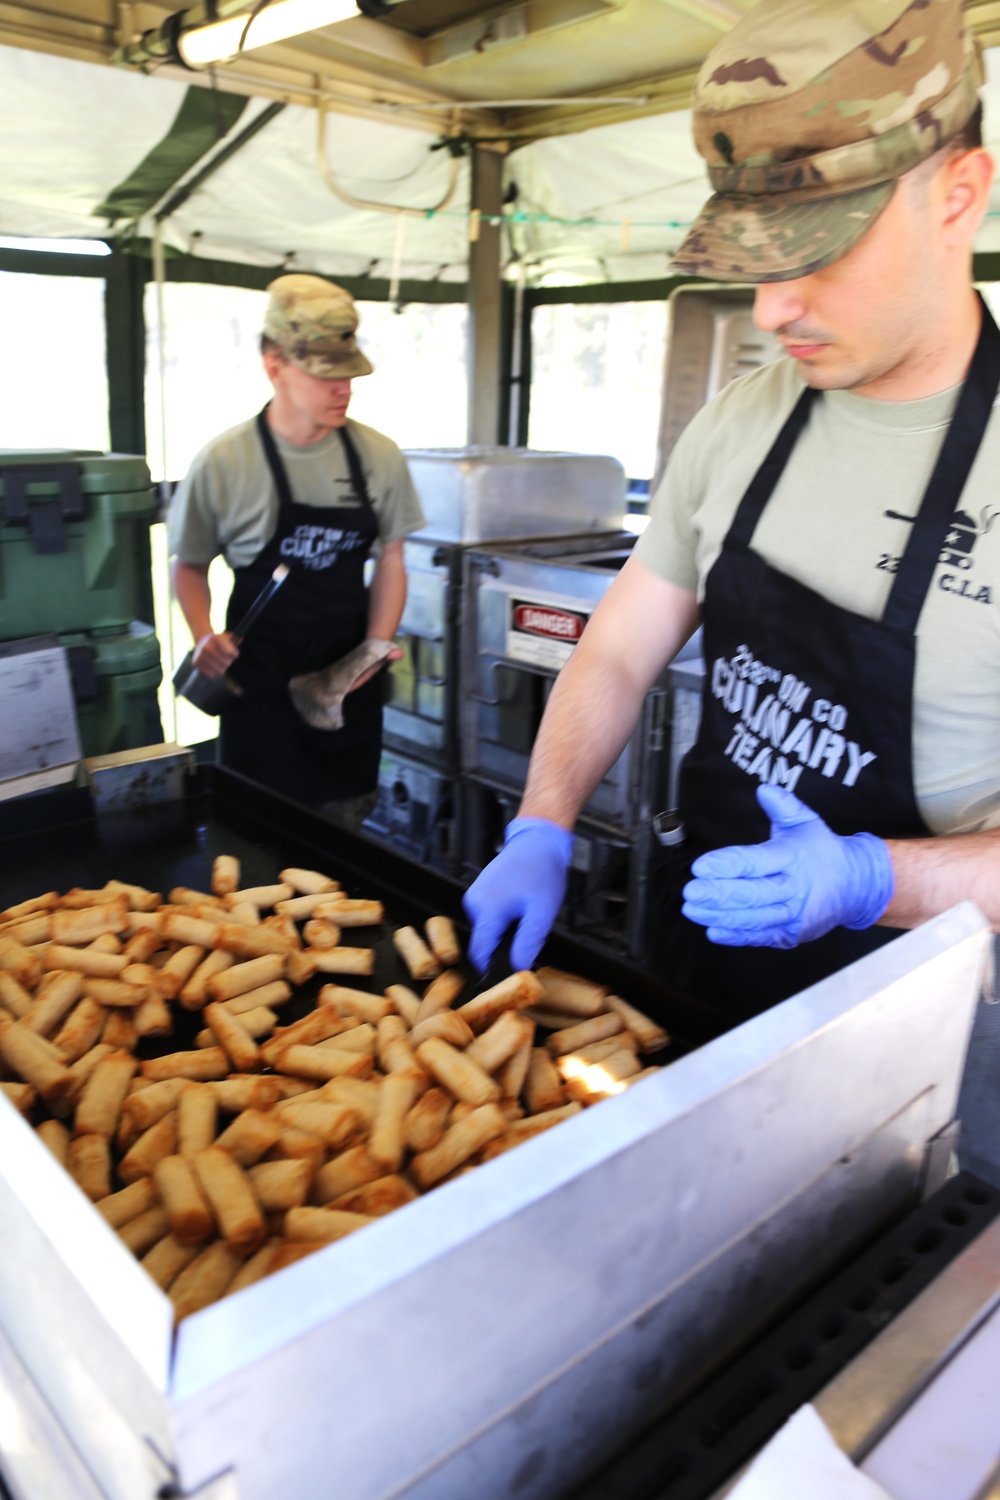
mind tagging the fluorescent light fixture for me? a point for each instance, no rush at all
(225, 39)
(56, 247)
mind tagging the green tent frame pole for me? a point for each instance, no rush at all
(125, 333)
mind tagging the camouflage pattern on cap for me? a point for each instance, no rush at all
(313, 322)
(807, 113)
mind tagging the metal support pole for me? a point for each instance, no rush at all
(125, 338)
(160, 277)
(509, 386)
(513, 351)
(484, 299)
(524, 373)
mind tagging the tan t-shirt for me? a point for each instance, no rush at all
(228, 503)
(838, 522)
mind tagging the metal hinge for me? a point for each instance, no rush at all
(939, 1160)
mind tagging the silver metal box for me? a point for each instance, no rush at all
(146, 777)
(526, 605)
(607, 891)
(686, 676)
(504, 1333)
(470, 495)
(478, 494)
(711, 338)
(415, 813)
(420, 714)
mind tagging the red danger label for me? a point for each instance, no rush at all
(551, 624)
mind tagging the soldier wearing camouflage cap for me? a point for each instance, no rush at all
(314, 324)
(806, 131)
(303, 486)
(829, 520)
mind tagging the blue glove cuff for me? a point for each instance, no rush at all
(877, 882)
(558, 838)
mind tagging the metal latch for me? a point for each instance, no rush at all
(45, 515)
(669, 829)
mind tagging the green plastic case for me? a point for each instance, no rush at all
(115, 679)
(74, 541)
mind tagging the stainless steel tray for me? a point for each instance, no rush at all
(711, 338)
(475, 494)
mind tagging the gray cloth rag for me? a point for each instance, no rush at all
(319, 696)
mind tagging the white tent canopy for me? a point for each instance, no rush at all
(610, 203)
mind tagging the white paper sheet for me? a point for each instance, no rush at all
(803, 1460)
(38, 728)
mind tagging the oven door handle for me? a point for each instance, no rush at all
(494, 666)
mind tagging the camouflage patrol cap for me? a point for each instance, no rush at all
(313, 323)
(807, 112)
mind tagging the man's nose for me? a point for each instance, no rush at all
(777, 303)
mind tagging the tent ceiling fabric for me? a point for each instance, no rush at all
(74, 131)
(649, 172)
(269, 203)
(615, 200)
(532, 50)
(608, 203)
(536, 51)
(69, 132)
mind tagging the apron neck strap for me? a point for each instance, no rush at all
(764, 482)
(944, 489)
(358, 482)
(280, 474)
(274, 461)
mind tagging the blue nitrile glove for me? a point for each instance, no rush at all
(804, 881)
(526, 884)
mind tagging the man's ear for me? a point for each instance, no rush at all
(965, 181)
(274, 362)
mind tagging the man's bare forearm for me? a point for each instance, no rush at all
(192, 593)
(387, 595)
(934, 874)
(213, 654)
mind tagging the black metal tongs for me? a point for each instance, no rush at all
(499, 966)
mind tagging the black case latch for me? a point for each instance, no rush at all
(46, 515)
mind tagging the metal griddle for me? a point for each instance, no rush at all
(509, 1332)
(56, 841)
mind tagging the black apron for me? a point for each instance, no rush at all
(318, 615)
(803, 693)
